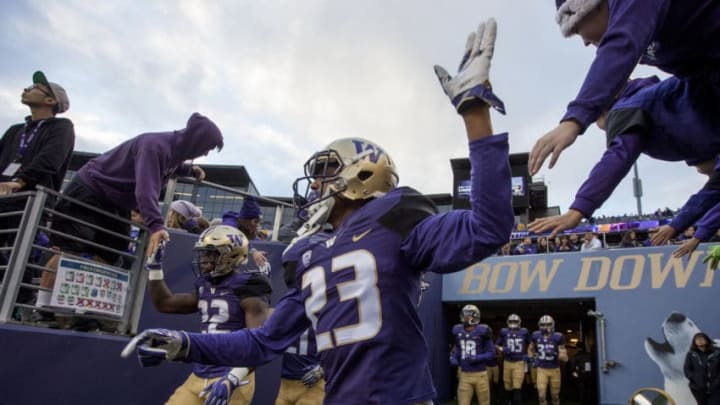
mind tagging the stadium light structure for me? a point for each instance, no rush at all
(637, 189)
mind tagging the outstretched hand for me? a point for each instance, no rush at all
(687, 247)
(155, 240)
(557, 223)
(9, 187)
(471, 85)
(554, 142)
(661, 235)
(153, 346)
(259, 257)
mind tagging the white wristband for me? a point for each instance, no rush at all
(154, 275)
(240, 372)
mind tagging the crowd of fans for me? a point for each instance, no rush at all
(580, 242)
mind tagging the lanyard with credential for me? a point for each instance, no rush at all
(25, 139)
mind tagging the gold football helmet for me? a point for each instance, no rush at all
(546, 324)
(470, 315)
(220, 250)
(351, 168)
(514, 321)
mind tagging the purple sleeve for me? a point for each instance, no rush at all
(148, 179)
(488, 352)
(615, 163)
(452, 241)
(709, 224)
(455, 354)
(694, 209)
(253, 347)
(630, 30)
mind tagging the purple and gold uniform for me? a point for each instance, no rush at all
(473, 349)
(301, 356)
(358, 289)
(547, 352)
(514, 344)
(220, 311)
(297, 360)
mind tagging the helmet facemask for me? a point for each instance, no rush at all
(470, 315)
(546, 324)
(350, 169)
(514, 321)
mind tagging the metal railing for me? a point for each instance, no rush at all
(280, 206)
(24, 260)
(33, 220)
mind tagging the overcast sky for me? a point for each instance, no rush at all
(283, 78)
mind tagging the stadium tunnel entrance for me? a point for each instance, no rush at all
(571, 319)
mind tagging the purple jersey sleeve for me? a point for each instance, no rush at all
(452, 241)
(615, 163)
(253, 347)
(624, 42)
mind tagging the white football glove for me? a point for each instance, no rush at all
(153, 346)
(471, 85)
(313, 375)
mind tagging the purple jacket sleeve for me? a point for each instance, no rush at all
(694, 209)
(455, 240)
(630, 30)
(148, 179)
(709, 224)
(253, 347)
(615, 163)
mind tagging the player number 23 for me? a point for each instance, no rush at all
(362, 289)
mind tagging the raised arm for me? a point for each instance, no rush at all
(455, 240)
(163, 299)
(614, 165)
(630, 28)
(245, 347)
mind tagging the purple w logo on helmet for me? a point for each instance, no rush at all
(373, 151)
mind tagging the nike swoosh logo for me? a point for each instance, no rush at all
(357, 237)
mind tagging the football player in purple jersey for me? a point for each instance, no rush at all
(473, 349)
(301, 381)
(548, 349)
(227, 299)
(513, 343)
(358, 288)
